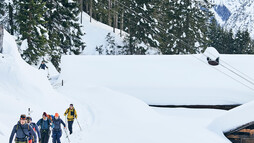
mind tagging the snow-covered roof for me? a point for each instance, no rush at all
(234, 118)
(167, 80)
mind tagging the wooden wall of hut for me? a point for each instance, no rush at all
(242, 135)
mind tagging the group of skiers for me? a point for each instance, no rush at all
(26, 131)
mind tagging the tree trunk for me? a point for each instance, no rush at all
(188, 36)
(130, 40)
(1, 38)
(121, 29)
(114, 23)
(117, 14)
(109, 12)
(29, 38)
(91, 10)
(87, 6)
(81, 10)
(11, 19)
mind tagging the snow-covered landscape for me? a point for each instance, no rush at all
(112, 94)
(112, 107)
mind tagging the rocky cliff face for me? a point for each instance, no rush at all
(235, 14)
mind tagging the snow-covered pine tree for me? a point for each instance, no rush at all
(30, 23)
(70, 28)
(3, 13)
(185, 25)
(63, 29)
(138, 24)
(2, 8)
(164, 15)
(111, 47)
(100, 49)
(242, 43)
(216, 34)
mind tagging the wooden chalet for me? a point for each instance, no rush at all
(242, 134)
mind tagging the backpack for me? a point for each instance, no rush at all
(49, 117)
(33, 126)
(48, 120)
(73, 114)
(23, 130)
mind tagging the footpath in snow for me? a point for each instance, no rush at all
(107, 113)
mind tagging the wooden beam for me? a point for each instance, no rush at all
(233, 137)
(223, 107)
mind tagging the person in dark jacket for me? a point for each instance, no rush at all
(44, 125)
(22, 130)
(35, 128)
(57, 131)
(43, 66)
(71, 115)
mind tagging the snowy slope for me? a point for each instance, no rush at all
(165, 80)
(23, 87)
(104, 115)
(95, 34)
(241, 17)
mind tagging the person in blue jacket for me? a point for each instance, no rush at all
(43, 66)
(57, 131)
(45, 125)
(35, 128)
(22, 130)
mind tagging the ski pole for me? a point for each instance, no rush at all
(79, 124)
(66, 120)
(67, 135)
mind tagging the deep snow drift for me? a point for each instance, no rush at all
(165, 80)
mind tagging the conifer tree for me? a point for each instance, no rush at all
(30, 23)
(70, 28)
(138, 24)
(242, 43)
(2, 8)
(64, 30)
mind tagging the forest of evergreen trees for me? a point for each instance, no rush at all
(52, 28)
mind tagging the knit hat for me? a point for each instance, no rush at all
(23, 117)
(29, 118)
(56, 115)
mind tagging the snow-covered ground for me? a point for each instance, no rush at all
(117, 117)
(95, 34)
(165, 80)
(108, 114)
